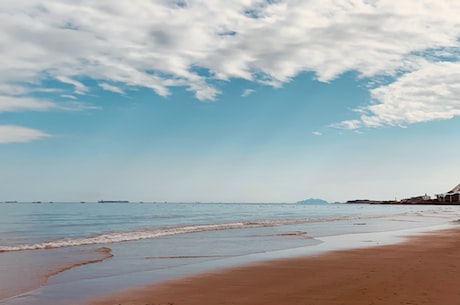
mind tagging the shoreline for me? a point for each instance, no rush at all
(420, 269)
(145, 262)
(17, 281)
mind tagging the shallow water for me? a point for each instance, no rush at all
(154, 242)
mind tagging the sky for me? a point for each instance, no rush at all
(228, 101)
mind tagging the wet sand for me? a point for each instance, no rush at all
(21, 272)
(422, 270)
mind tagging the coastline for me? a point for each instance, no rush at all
(422, 269)
(155, 261)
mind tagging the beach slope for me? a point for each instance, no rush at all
(422, 270)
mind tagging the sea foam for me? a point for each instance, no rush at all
(156, 232)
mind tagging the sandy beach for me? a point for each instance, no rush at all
(421, 270)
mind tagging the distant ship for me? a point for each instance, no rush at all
(113, 201)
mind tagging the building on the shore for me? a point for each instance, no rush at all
(417, 199)
(452, 196)
(449, 197)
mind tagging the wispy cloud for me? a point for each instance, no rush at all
(159, 45)
(16, 104)
(69, 96)
(247, 92)
(19, 134)
(317, 133)
(111, 88)
(19, 104)
(348, 124)
(79, 87)
(76, 106)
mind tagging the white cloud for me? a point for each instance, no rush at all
(159, 45)
(316, 133)
(430, 93)
(111, 88)
(69, 96)
(19, 134)
(79, 87)
(247, 92)
(348, 124)
(15, 104)
(75, 106)
(18, 104)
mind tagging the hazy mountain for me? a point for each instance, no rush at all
(312, 201)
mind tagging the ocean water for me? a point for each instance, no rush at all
(67, 253)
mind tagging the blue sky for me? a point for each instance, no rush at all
(254, 101)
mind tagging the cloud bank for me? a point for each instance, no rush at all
(163, 44)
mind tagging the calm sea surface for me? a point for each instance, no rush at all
(65, 253)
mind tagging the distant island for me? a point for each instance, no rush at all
(312, 201)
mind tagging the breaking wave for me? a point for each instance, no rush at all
(156, 232)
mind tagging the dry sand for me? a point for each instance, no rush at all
(422, 270)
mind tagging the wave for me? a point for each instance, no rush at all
(156, 232)
(104, 253)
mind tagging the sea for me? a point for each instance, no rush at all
(69, 253)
